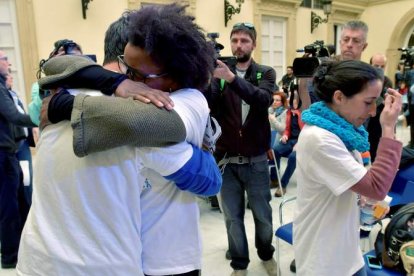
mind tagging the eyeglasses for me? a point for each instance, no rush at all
(4, 58)
(135, 74)
(249, 26)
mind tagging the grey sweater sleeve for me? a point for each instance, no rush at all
(101, 123)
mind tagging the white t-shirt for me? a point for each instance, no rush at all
(170, 217)
(85, 216)
(326, 223)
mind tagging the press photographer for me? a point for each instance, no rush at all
(228, 60)
(352, 44)
(315, 54)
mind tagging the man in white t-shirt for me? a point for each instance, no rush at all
(170, 245)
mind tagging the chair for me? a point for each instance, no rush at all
(285, 231)
(379, 272)
(402, 189)
(274, 165)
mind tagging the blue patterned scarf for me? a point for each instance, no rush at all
(322, 116)
(279, 110)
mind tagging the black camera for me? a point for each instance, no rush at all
(316, 53)
(70, 47)
(407, 56)
(228, 60)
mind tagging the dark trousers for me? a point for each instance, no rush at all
(13, 206)
(286, 150)
(24, 154)
(252, 179)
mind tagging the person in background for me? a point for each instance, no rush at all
(24, 139)
(326, 219)
(286, 146)
(13, 210)
(277, 119)
(373, 124)
(287, 80)
(399, 76)
(239, 98)
(61, 47)
(352, 43)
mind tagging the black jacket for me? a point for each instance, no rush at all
(10, 116)
(253, 137)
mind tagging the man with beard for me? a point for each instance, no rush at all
(239, 97)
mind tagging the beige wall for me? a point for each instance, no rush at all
(210, 16)
(304, 35)
(42, 22)
(63, 19)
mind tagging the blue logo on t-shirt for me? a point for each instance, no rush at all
(147, 185)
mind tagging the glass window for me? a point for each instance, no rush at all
(313, 4)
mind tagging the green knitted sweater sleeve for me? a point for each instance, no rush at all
(101, 123)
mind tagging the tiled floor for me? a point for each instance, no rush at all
(215, 240)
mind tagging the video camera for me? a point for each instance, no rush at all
(229, 60)
(316, 53)
(407, 56)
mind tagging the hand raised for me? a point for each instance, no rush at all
(142, 92)
(389, 115)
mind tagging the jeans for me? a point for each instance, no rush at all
(13, 206)
(253, 179)
(286, 150)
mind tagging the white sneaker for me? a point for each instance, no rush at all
(271, 267)
(241, 272)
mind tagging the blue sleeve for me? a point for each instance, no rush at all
(200, 175)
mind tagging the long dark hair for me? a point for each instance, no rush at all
(348, 76)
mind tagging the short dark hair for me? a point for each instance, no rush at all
(246, 28)
(175, 42)
(348, 76)
(116, 38)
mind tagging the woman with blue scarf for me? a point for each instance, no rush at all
(330, 173)
(277, 115)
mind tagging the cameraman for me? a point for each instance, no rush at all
(287, 80)
(352, 43)
(61, 47)
(239, 98)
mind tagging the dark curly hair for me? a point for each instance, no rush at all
(174, 42)
(349, 76)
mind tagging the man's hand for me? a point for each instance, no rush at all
(223, 72)
(143, 93)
